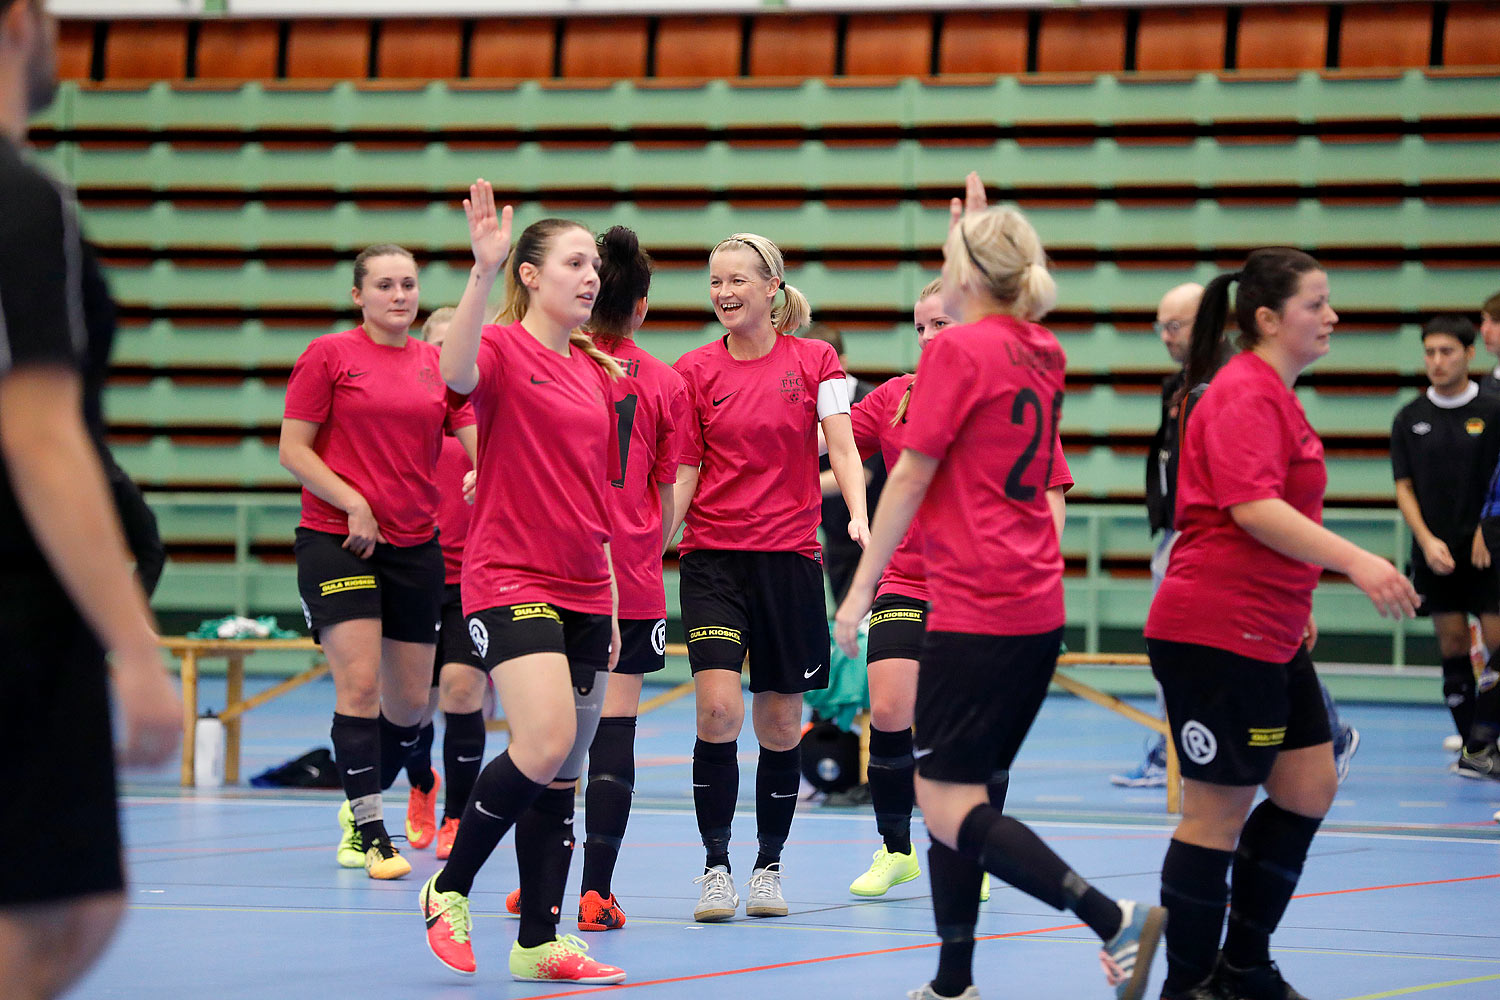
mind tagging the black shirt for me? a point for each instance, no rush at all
(49, 285)
(1161, 460)
(1449, 455)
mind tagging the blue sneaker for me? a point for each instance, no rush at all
(1150, 773)
(1344, 749)
(1126, 957)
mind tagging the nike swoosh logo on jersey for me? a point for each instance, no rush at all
(808, 673)
(354, 374)
(722, 398)
(541, 381)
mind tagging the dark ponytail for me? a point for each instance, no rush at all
(624, 279)
(1269, 278)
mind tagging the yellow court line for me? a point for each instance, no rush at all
(1423, 989)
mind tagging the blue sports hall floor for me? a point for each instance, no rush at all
(235, 894)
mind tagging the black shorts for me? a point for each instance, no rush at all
(400, 585)
(453, 642)
(62, 830)
(771, 604)
(1231, 715)
(511, 630)
(1466, 590)
(977, 696)
(898, 626)
(643, 645)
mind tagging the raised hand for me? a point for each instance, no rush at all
(974, 200)
(489, 232)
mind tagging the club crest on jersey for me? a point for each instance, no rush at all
(480, 636)
(429, 377)
(1421, 427)
(1474, 426)
(792, 387)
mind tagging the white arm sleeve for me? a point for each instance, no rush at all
(833, 397)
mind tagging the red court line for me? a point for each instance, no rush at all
(804, 961)
(934, 944)
(1397, 885)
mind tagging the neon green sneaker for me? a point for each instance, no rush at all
(887, 870)
(564, 959)
(984, 888)
(351, 852)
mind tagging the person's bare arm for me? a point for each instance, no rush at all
(60, 486)
(682, 498)
(1434, 549)
(298, 457)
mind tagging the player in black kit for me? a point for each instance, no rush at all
(1444, 446)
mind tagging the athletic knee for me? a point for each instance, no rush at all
(719, 721)
(889, 713)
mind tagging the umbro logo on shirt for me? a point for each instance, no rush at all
(722, 398)
(1421, 427)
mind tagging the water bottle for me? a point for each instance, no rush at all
(208, 751)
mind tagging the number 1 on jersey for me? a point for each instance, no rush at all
(625, 410)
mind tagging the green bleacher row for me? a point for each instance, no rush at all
(1407, 287)
(252, 403)
(184, 346)
(913, 103)
(723, 166)
(162, 462)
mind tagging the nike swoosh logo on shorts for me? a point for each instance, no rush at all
(919, 754)
(470, 760)
(361, 770)
(808, 673)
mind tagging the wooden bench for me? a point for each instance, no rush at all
(234, 651)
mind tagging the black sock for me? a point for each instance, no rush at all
(419, 761)
(998, 787)
(955, 907)
(463, 755)
(501, 794)
(1267, 864)
(1458, 691)
(777, 776)
(891, 786)
(607, 800)
(1194, 892)
(1486, 725)
(356, 751)
(544, 849)
(1008, 848)
(716, 788)
(396, 744)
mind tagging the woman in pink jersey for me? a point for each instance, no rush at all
(1241, 692)
(365, 415)
(538, 587)
(457, 690)
(750, 575)
(979, 452)
(652, 404)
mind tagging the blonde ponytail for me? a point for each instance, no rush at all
(905, 402)
(793, 314)
(997, 252)
(586, 344)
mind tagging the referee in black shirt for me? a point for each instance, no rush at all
(1444, 446)
(66, 590)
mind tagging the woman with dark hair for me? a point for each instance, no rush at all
(1241, 692)
(365, 416)
(538, 586)
(979, 453)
